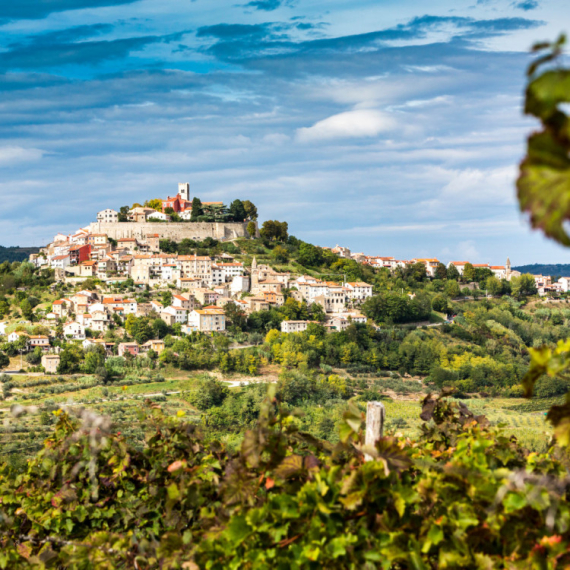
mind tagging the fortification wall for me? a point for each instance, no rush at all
(173, 231)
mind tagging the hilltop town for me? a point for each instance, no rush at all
(160, 272)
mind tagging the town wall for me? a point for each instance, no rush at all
(170, 230)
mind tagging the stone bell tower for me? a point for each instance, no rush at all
(184, 190)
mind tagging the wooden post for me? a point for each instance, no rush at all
(375, 414)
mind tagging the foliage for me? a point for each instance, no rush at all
(462, 496)
(273, 230)
(392, 307)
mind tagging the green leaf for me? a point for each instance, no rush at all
(173, 492)
(514, 501)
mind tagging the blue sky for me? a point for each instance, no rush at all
(392, 127)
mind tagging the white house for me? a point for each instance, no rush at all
(184, 302)
(459, 265)
(564, 284)
(39, 340)
(159, 216)
(60, 261)
(239, 284)
(294, 326)
(231, 270)
(108, 215)
(359, 291)
(218, 276)
(208, 319)
(15, 336)
(171, 272)
(180, 315)
(74, 330)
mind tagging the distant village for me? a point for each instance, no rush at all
(202, 286)
(543, 283)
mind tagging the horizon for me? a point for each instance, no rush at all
(382, 128)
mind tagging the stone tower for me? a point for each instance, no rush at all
(184, 190)
(508, 268)
(254, 275)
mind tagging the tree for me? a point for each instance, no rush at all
(166, 298)
(280, 254)
(469, 273)
(26, 308)
(94, 359)
(251, 229)
(250, 209)
(309, 255)
(236, 317)
(493, 286)
(274, 230)
(197, 209)
(452, 288)
(441, 271)
(418, 271)
(155, 204)
(123, 214)
(4, 360)
(524, 285)
(439, 303)
(35, 357)
(159, 328)
(143, 331)
(69, 360)
(237, 211)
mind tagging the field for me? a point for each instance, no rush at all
(529, 427)
(124, 400)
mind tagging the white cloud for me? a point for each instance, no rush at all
(9, 154)
(276, 139)
(360, 123)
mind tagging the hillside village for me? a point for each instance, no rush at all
(200, 289)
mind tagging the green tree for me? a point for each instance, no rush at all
(452, 288)
(166, 298)
(280, 254)
(155, 204)
(469, 273)
(309, 255)
(251, 229)
(418, 271)
(440, 271)
(250, 209)
(26, 308)
(94, 359)
(159, 328)
(493, 286)
(439, 303)
(197, 209)
(237, 211)
(123, 214)
(273, 230)
(452, 272)
(523, 285)
(4, 360)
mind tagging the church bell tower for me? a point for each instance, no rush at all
(184, 190)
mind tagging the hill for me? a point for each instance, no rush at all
(16, 253)
(562, 269)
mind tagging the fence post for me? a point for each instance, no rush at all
(375, 414)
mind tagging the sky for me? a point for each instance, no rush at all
(390, 127)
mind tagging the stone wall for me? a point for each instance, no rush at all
(173, 231)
